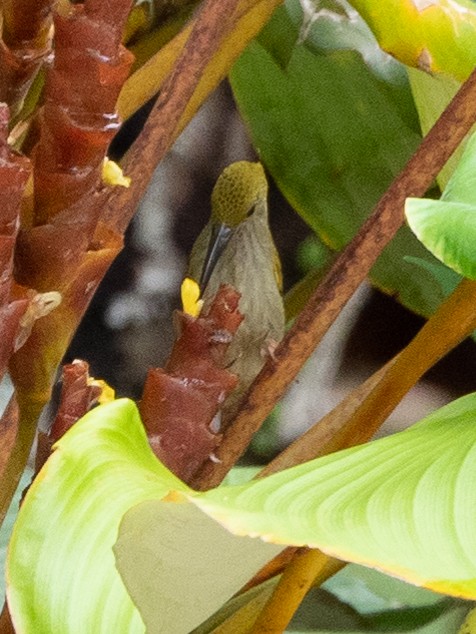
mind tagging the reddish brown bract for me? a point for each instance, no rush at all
(77, 398)
(180, 403)
(79, 120)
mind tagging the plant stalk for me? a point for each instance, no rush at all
(213, 22)
(306, 568)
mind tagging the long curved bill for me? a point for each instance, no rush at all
(221, 234)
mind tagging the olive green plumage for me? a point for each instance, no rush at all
(247, 260)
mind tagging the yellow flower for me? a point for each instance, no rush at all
(191, 302)
(112, 174)
(107, 393)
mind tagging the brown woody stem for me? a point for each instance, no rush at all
(213, 23)
(452, 323)
(357, 418)
(349, 270)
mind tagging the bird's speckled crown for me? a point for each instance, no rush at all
(239, 187)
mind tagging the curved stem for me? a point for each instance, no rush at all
(6, 625)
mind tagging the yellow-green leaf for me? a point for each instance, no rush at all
(61, 574)
(61, 570)
(403, 504)
(438, 36)
(447, 227)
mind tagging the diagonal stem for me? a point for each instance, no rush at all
(212, 24)
(354, 421)
(452, 323)
(6, 625)
(349, 270)
(360, 414)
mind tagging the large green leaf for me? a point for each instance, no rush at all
(444, 623)
(61, 569)
(334, 130)
(389, 604)
(447, 227)
(403, 504)
(371, 592)
(432, 93)
(322, 613)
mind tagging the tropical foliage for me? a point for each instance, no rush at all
(337, 97)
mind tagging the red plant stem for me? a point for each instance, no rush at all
(348, 271)
(6, 625)
(214, 21)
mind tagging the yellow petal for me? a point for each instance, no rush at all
(112, 174)
(191, 302)
(107, 393)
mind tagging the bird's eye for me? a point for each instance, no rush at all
(250, 212)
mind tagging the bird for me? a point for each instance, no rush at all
(236, 247)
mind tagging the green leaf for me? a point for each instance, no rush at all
(438, 36)
(333, 130)
(448, 230)
(61, 574)
(403, 504)
(369, 591)
(319, 613)
(432, 93)
(447, 227)
(324, 613)
(444, 618)
(61, 569)
(389, 604)
(441, 281)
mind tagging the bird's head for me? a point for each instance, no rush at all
(237, 191)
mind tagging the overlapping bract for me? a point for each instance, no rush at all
(180, 403)
(14, 173)
(65, 246)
